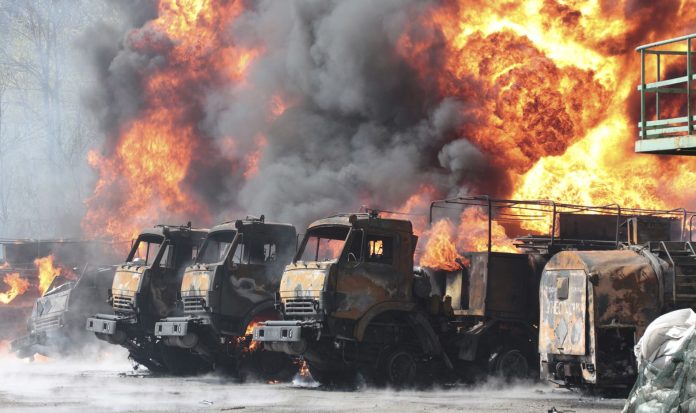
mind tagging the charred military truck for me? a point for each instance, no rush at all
(348, 302)
(145, 290)
(353, 301)
(56, 325)
(595, 305)
(231, 287)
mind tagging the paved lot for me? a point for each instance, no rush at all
(110, 385)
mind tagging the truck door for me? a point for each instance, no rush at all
(563, 308)
(371, 274)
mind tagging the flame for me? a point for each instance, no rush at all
(440, 250)
(17, 286)
(550, 93)
(473, 233)
(442, 245)
(48, 271)
(253, 158)
(546, 88)
(248, 345)
(303, 371)
(146, 177)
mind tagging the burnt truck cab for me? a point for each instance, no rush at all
(145, 289)
(230, 287)
(56, 324)
(347, 298)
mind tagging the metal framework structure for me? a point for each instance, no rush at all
(517, 211)
(674, 135)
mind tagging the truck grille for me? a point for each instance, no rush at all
(46, 323)
(300, 306)
(193, 304)
(122, 302)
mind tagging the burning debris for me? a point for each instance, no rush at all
(48, 271)
(16, 285)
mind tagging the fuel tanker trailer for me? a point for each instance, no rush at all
(595, 305)
(226, 292)
(145, 290)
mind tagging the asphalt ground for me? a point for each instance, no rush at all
(108, 383)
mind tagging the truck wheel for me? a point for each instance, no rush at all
(332, 378)
(180, 362)
(150, 364)
(276, 366)
(512, 364)
(400, 368)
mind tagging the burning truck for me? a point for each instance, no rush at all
(56, 324)
(230, 287)
(353, 302)
(57, 283)
(144, 290)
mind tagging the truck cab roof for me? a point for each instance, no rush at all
(363, 220)
(175, 232)
(253, 225)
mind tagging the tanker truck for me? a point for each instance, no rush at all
(352, 300)
(144, 290)
(229, 289)
(595, 305)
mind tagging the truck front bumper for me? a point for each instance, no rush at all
(287, 336)
(109, 327)
(179, 326)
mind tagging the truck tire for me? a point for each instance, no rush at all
(511, 364)
(275, 366)
(180, 362)
(147, 362)
(332, 377)
(400, 368)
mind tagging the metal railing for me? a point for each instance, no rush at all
(510, 211)
(680, 125)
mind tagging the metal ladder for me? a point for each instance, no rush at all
(682, 258)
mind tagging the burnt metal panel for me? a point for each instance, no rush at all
(471, 282)
(563, 301)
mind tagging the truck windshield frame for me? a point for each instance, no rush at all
(255, 249)
(148, 245)
(216, 247)
(323, 244)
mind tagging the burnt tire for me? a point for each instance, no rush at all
(511, 364)
(148, 362)
(400, 368)
(267, 366)
(181, 362)
(275, 366)
(333, 377)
